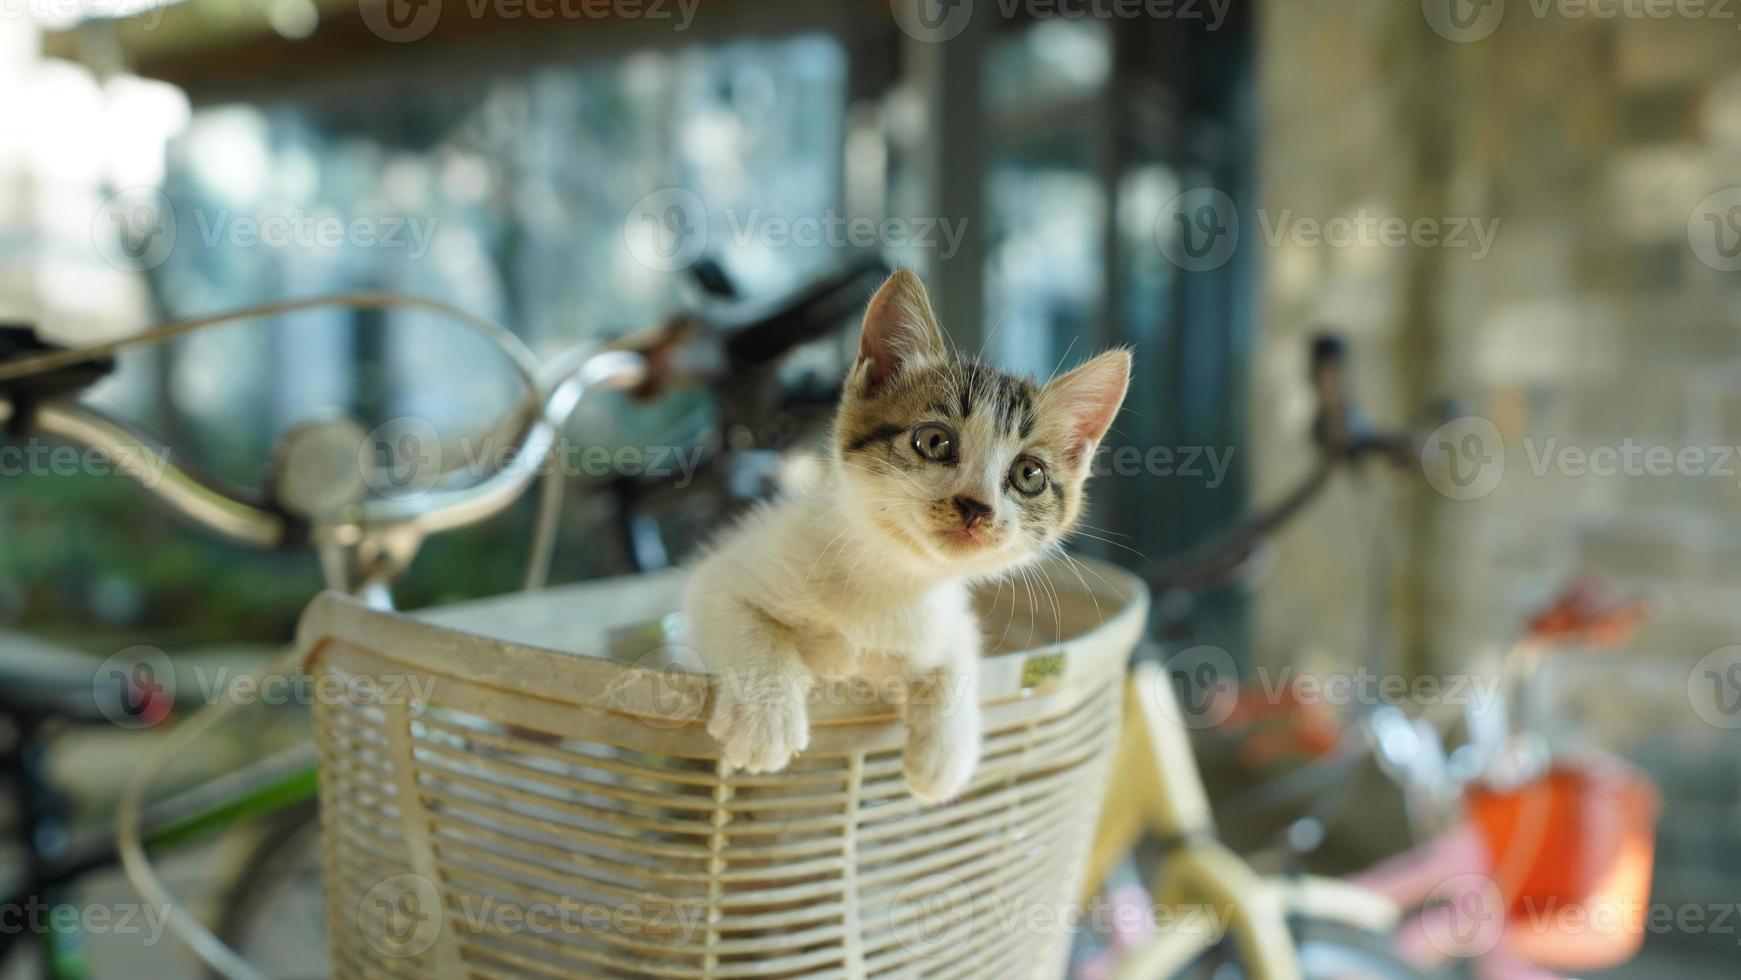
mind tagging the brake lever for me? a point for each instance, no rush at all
(20, 396)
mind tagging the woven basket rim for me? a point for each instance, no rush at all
(429, 643)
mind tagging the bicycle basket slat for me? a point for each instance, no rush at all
(524, 787)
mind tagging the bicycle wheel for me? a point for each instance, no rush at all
(1328, 951)
(274, 912)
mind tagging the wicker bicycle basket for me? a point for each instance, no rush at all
(524, 786)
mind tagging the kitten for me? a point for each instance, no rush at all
(942, 473)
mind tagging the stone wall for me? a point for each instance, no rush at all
(1600, 331)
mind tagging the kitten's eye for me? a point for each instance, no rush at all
(934, 442)
(1028, 476)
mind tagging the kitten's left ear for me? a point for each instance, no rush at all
(899, 327)
(1090, 397)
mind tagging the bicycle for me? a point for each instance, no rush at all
(318, 497)
(1485, 861)
(1278, 927)
(1176, 804)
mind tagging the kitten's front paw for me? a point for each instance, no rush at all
(939, 763)
(761, 729)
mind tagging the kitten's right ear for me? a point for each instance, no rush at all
(899, 328)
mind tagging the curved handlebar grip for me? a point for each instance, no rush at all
(812, 314)
(20, 340)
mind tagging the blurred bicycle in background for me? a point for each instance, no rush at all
(362, 502)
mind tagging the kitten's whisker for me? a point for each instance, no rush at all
(825, 549)
(1115, 544)
(1084, 566)
(1072, 564)
(1057, 613)
(1091, 527)
(1065, 356)
(1032, 602)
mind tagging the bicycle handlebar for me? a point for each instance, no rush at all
(810, 315)
(225, 510)
(1342, 437)
(552, 395)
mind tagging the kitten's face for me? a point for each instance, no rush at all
(969, 469)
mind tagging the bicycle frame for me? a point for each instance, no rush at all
(1158, 790)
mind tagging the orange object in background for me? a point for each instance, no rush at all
(1572, 853)
(1584, 615)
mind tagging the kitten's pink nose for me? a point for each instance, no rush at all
(973, 512)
